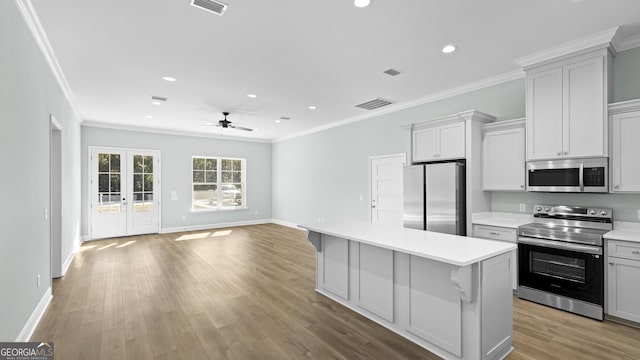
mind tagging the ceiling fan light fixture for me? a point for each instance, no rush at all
(253, 96)
(312, 107)
(361, 3)
(169, 78)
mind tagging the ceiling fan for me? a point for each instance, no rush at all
(226, 124)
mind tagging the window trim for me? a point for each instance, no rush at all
(218, 183)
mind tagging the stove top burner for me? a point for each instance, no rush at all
(569, 223)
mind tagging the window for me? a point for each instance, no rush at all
(218, 183)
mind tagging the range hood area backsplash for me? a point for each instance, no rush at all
(625, 207)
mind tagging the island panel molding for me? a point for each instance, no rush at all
(435, 312)
(335, 259)
(375, 280)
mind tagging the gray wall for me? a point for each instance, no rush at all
(176, 174)
(324, 174)
(28, 95)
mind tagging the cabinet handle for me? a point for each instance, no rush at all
(610, 262)
(636, 252)
(566, 153)
(498, 234)
(559, 153)
(521, 186)
(616, 186)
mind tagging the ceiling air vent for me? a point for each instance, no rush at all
(158, 98)
(375, 104)
(215, 7)
(285, 118)
(392, 72)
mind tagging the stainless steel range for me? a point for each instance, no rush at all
(561, 258)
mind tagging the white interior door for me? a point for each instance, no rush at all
(124, 192)
(386, 189)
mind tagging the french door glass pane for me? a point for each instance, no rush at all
(109, 199)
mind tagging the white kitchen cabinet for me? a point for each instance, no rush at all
(625, 147)
(623, 292)
(439, 143)
(503, 160)
(566, 107)
(501, 234)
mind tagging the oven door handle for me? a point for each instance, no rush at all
(581, 177)
(595, 250)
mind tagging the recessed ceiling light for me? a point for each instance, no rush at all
(361, 3)
(448, 49)
(149, 117)
(252, 95)
(312, 107)
(156, 103)
(278, 120)
(169, 78)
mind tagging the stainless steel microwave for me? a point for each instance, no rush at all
(569, 175)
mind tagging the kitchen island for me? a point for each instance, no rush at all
(449, 294)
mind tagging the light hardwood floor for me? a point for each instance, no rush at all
(248, 293)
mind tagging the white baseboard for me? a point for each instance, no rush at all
(84, 238)
(214, 226)
(67, 262)
(35, 317)
(286, 223)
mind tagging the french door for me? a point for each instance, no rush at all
(125, 192)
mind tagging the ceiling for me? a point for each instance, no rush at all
(295, 54)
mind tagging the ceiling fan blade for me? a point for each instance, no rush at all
(240, 128)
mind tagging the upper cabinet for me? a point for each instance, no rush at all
(503, 161)
(625, 147)
(566, 108)
(439, 143)
(568, 89)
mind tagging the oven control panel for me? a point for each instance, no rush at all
(572, 211)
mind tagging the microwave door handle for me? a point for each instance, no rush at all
(581, 177)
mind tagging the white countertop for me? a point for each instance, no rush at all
(507, 220)
(623, 230)
(451, 249)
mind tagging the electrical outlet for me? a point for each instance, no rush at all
(38, 280)
(638, 214)
(46, 214)
(361, 198)
(184, 218)
(523, 207)
(256, 212)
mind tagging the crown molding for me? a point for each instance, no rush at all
(33, 23)
(624, 106)
(605, 39)
(629, 43)
(467, 88)
(124, 127)
(503, 125)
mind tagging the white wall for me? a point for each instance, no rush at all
(28, 95)
(325, 173)
(176, 174)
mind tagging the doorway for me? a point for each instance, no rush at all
(124, 192)
(386, 188)
(55, 200)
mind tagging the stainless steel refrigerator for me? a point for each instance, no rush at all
(434, 197)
